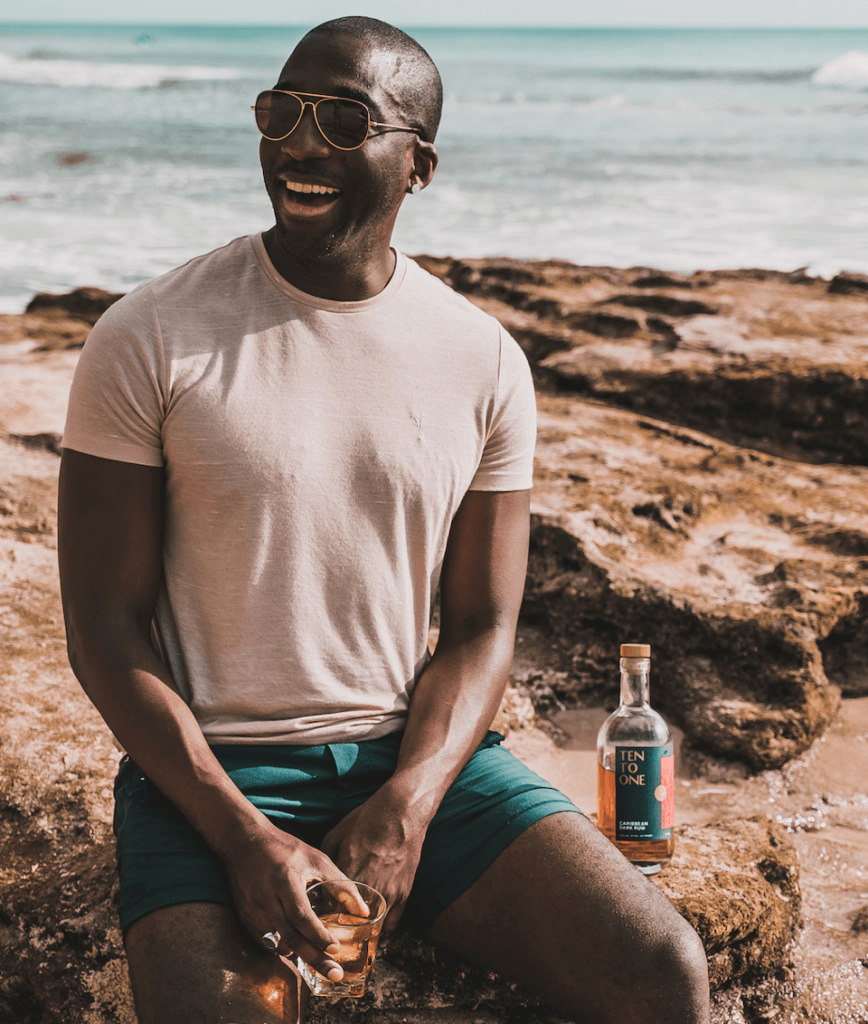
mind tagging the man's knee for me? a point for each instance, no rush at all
(221, 976)
(672, 975)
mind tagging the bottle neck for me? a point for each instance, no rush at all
(635, 681)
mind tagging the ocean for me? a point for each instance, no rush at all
(124, 151)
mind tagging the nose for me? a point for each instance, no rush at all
(306, 140)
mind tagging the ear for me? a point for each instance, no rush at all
(425, 160)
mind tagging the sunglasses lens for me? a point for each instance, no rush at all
(344, 123)
(277, 114)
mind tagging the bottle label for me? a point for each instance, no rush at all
(644, 792)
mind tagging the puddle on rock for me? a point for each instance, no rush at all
(821, 798)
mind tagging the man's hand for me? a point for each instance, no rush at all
(454, 700)
(380, 843)
(269, 876)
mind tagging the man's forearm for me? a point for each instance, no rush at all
(452, 707)
(458, 694)
(135, 694)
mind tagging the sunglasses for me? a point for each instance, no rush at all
(343, 123)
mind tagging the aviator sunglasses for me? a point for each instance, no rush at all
(343, 123)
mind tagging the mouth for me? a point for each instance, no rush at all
(305, 199)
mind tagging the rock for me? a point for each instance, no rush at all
(744, 361)
(737, 883)
(746, 569)
(50, 330)
(61, 955)
(681, 497)
(57, 321)
(748, 574)
(849, 284)
(47, 441)
(72, 159)
(87, 304)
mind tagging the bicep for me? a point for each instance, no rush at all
(109, 539)
(484, 568)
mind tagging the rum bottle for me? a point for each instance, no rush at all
(636, 770)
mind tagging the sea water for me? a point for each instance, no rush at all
(124, 151)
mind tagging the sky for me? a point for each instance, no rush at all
(414, 13)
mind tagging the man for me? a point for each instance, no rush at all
(274, 458)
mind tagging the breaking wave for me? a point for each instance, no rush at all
(849, 71)
(83, 74)
(640, 74)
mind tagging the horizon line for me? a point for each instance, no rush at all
(451, 28)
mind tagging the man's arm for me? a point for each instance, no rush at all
(455, 699)
(110, 555)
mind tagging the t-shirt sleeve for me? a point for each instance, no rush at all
(116, 403)
(507, 459)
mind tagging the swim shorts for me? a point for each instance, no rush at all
(306, 790)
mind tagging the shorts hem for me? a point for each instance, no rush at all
(169, 898)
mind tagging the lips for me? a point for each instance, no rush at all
(304, 200)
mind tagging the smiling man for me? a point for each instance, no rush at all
(276, 457)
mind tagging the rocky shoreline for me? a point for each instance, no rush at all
(701, 470)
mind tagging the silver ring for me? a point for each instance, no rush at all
(272, 940)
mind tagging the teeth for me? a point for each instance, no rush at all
(319, 190)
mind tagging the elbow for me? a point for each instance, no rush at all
(91, 644)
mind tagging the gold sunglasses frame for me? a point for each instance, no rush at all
(313, 98)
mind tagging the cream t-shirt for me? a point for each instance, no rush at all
(315, 453)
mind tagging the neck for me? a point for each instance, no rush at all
(330, 276)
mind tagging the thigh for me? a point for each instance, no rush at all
(562, 912)
(493, 800)
(191, 963)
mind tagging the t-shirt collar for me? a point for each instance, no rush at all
(329, 305)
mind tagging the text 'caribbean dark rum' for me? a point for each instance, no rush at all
(636, 770)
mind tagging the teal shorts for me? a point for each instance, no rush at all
(305, 791)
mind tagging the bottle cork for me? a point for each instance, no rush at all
(635, 650)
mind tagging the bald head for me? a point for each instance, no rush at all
(416, 75)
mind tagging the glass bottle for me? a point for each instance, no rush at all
(636, 770)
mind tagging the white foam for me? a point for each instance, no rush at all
(849, 71)
(86, 74)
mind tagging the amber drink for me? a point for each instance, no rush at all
(357, 934)
(636, 770)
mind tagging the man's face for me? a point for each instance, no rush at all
(357, 220)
